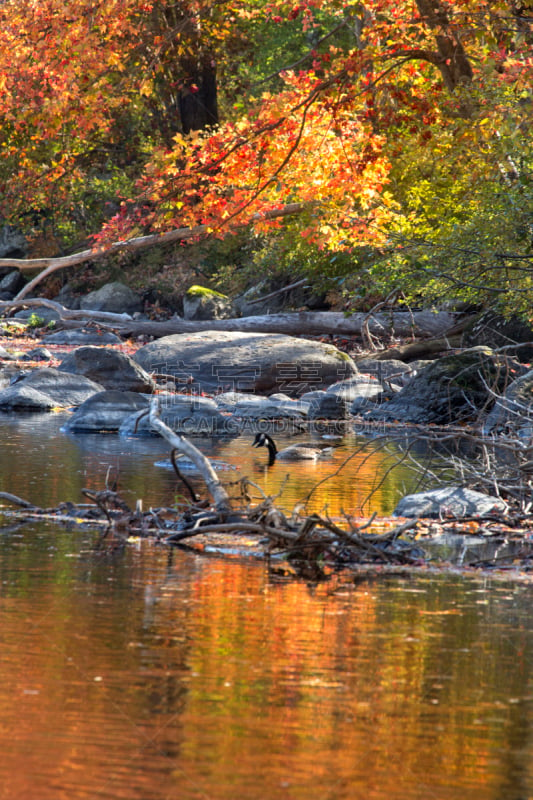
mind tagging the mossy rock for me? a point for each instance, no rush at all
(203, 291)
(200, 303)
(455, 388)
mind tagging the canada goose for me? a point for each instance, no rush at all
(305, 451)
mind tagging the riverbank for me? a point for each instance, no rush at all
(368, 402)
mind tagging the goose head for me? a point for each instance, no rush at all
(264, 440)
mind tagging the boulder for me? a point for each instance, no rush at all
(105, 411)
(45, 389)
(328, 406)
(390, 370)
(201, 303)
(454, 501)
(513, 411)
(247, 305)
(38, 354)
(81, 336)
(248, 362)
(13, 243)
(114, 297)
(67, 298)
(186, 414)
(455, 388)
(110, 368)
(12, 282)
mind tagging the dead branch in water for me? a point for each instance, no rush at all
(239, 515)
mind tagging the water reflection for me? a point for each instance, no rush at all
(162, 674)
(45, 465)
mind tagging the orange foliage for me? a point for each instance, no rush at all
(326, 139)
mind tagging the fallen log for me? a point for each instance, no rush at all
(82, 316)
(306, 323)
(182, 445)
(300, 323)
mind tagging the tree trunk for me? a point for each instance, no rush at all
(198, 100)
(453, 62)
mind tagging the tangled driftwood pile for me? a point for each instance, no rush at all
(249, 521)
(243, 516)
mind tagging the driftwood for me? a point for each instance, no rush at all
(81, 316)
(307, 323)
(301, 323)
(182, 445)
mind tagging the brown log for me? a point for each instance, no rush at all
(414, 351)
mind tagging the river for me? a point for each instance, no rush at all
(150, 673)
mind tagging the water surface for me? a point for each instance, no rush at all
(150, 673)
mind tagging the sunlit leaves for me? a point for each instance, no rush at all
(384, 120)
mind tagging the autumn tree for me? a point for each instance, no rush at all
(397, 129)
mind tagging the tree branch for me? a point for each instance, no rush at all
(50, 265)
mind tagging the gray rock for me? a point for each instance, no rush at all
(454, 388)
(81, 336)
(13, 243)
(114, 297)
(329, 406)
(45, 389)
(449, 501)
(513, 411)
(67, 298)
(105, 411)
(184, 414)
(12, 282)
(252, 406)
(246, 307)
(110, 368)
(38, 354)
(391, 369)
(247, 362)
(355, 388)
(200, 303)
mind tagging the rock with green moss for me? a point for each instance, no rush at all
(200, 303)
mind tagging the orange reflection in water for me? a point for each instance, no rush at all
(164, 675)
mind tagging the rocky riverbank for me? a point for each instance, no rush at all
(225, 383)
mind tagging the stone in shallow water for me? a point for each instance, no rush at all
(45, 389)
(105, 411)
(453, 501)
